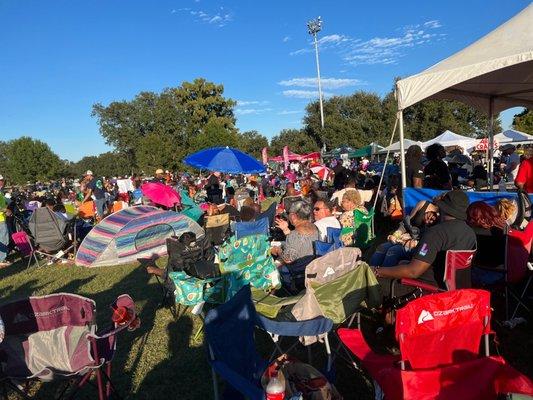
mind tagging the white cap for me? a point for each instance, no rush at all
(89, 172)
(1, 178)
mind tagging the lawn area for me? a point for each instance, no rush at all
(165, 357)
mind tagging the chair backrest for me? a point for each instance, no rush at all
(48, 230)
(216, 228)
(229, 331)
(457, 268)
(322, 248)
(363, 227)
(334, 236)
(22, 241)
(518, 249)
(269, 213)
(47, 335)
(87, 210)
(249, 228)
(444, 328)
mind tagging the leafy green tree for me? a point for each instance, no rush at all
(215, 133)
(523, 121)
(27, 159)
(298, 141)
(106, 164)
(157, 151)
(252, 142)
(178, 115)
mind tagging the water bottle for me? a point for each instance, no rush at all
(501, 186)
(275, 389)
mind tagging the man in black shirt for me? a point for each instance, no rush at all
(414, 171)
(452, 233)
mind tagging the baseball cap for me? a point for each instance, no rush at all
(89, 172)
(1, 178)
(159, 171)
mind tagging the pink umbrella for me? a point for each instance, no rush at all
(321, 171)
(161, 194)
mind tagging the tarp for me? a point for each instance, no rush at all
(497, 66)
(449, 138)
(292, 157)
(362, 152)
(511, 135)
(395, 147)
(132, 233)
(413, 196)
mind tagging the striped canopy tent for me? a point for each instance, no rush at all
(131, 233)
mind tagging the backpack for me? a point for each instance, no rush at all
(192, 256)
(523, 214)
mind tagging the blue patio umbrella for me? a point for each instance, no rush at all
(224, 159)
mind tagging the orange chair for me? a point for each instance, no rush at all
(87, 210)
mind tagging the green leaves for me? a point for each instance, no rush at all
(524, 121)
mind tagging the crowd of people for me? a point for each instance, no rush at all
(308, 206)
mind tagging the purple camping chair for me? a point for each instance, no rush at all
(55, 336)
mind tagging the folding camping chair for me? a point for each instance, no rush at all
(269, 213)
(363, 228)
(217, 228)
(23, 243)
(439, 337)
(456, 269)
(333, 242)
(249, 228)
(229, 333)
(53, 236)
(55, 336)
(336, 287)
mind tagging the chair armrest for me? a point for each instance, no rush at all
(422, 285)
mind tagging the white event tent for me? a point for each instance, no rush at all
(492, 74)
(395, 147)
(513, 136)
(449, 138)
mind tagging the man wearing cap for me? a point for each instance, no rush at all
(451, 233)
(95, 186)
(510, 168)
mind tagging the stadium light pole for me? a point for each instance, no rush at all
(313, 27)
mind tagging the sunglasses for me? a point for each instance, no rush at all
(317, 209)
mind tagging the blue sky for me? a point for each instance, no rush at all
(60, 57)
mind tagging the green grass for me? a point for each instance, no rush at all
(162, 359)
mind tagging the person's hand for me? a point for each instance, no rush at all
(282, 224)
(8, 212)
(275, 251)
(375, 270)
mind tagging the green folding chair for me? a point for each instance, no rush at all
(364, 228)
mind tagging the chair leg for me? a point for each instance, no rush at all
(519, 300)
(100, 385)
(214, 375)
(328, 352)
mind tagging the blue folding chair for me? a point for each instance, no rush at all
(269, 213)
(252, 228)
(229, 332)
(334, 236)
(333, 242)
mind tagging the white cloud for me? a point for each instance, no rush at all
(218, 19)
(304, 94)
(252, 102)
(377, 50)
(433, 24)
(290, 112)
(249, 111)
(286, 39)
(327, 83)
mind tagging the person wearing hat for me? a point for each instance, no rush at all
(4, 231)
(451, 233)
(510, 168)
(95, 187)
(159, 176)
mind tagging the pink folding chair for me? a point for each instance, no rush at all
(23, 243)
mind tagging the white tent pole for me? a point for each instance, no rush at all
(490, 161)
(402, 149)
(385, 165)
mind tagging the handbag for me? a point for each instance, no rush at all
(397, 212)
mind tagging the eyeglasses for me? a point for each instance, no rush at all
(317, 209)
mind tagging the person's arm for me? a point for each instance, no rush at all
(521, 176)
(87, 195)
(412, 270)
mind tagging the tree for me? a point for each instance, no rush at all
(177, 115)
(354, 120)
(215, 133)
(523, 121)
(106, 164)
(297, 139)
(428, 119)
(27, 159)
(157, 151)
(252, 142)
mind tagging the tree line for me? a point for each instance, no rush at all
(155, 130)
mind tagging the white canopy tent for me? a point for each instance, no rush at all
(513, 136)
(492, 74)
(449, 138)
(395, 147)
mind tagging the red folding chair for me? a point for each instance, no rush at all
(439, 336)
(517, 267)
(456, 262)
